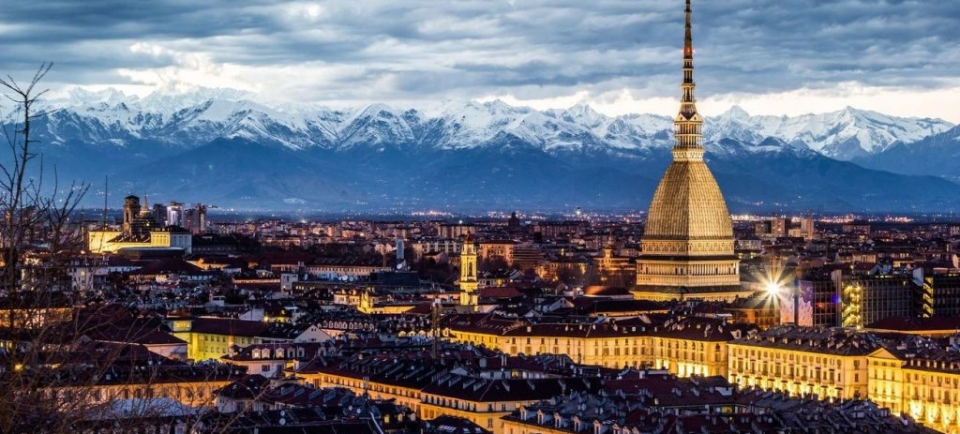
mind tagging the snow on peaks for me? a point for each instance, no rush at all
(735, 112)
(374, 111)
(582, 114)
(202, 114)
(375, 124)
(111, 97)
(842, 134)
(168, 100)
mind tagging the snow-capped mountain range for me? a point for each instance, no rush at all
(206, 114)
(230, 148)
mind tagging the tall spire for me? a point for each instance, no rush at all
(688, 124)
(688, 38)
(688, 83)
(687, 244)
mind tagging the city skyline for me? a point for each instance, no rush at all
(618, 57)
(562, 306)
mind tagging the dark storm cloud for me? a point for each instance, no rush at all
(814, 43)
(471, 48)
(65, 20)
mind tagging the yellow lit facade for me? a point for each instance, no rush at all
(610, 347)
(139, 231)
(797, 371)
(684, 357)
(406, 396)
(885, 375)
(926, 390)
(209, 346)
(484, 414)
(469, 294)
(206, 346)
(932, 393)
(516, 427)
(427, 405)
(108, 241)
(371, 304)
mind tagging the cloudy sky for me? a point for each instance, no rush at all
(769, 56)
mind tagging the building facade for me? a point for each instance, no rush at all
(825, 363)
(139, 230)
(940, 294)
(867, 299)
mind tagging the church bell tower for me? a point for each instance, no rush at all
(468, 274)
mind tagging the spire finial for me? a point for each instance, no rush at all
(687, 126)
(688, 57)
(688, 37)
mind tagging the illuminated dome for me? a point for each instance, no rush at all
(688, 205)
(687, 245)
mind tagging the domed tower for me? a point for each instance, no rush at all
(687, 245)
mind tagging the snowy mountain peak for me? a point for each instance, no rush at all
(376, 109)
(735, 112)
(583, 114)
(843, 134)
(204, 114)
(109, 96)
(170, 101)
(583, 111)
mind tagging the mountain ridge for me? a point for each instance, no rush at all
(843, 134)
(222, 147)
